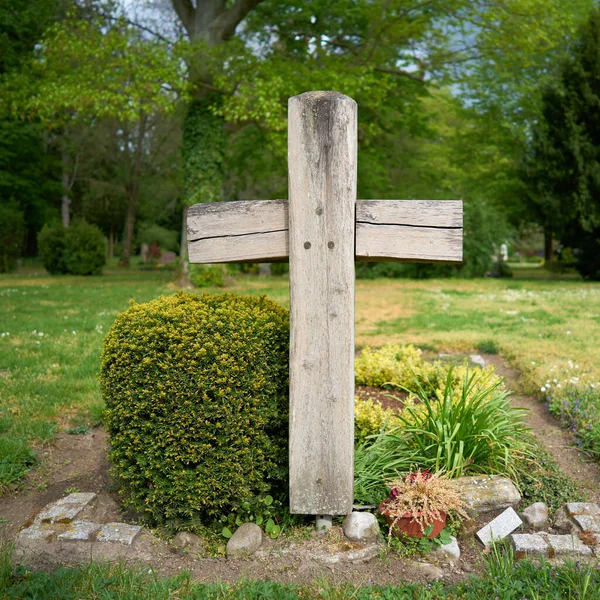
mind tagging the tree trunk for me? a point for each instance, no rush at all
(111, 243)
(548, 246)
(66, 201)
(203, 155)
(134, 192)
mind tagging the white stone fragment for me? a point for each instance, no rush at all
(536, 515)
(503, 525)
(66, 509)
(361, 527)
(120, 533)
(80, 531)
(477, 359)
(582, 508)
(448, 552)
(528, 545)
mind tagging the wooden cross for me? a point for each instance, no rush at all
(323, 230)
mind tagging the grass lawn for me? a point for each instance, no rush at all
(51, 331)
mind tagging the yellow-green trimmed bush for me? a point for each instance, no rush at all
(197, 404)
(370, 418)
(401, 366)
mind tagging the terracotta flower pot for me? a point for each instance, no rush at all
(409, 526)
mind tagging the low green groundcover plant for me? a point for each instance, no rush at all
(197, 405)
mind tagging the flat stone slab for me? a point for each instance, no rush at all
(587, 522)
(527, 545)
(565, 546)
(487, 493)
(582, 508)
(503, 525)
(119, 533)
(36, 532)
(82, 531)
(66, 509)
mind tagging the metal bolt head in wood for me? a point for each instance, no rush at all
(323, 230)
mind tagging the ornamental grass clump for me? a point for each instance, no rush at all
(197, 405)
(425, 497)
(472, 432)
(475, 431)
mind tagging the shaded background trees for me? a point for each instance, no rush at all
(132, 113)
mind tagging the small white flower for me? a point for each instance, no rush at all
(568, 333)
(543, 389)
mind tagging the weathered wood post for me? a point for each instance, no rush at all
(322, 229)
(322, 155)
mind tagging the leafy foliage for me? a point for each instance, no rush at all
(404, 367)
(578, 408)
(370, 418)
(540, 479)
(203, 149)
(562, 161)
(12, 236)
(78, 250)
(203, 276)
(196, 395)
(85, 251)
(52, 245)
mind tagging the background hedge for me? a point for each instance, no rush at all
(196, 390)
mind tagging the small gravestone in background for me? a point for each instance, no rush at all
(323, 230)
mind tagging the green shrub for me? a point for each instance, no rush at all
(85, 253)
(196, 404)
(79, 249)
(476, 431)
(370, 418)
(52, 243)
(12, 235)
(203, 276)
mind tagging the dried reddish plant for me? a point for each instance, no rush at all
(425, 496)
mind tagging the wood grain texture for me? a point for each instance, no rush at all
(222, 232)
(322, 151)
(406, 230)
(409, 230)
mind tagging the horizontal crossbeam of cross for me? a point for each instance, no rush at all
(258, 231)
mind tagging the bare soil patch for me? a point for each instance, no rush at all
(392, 399)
